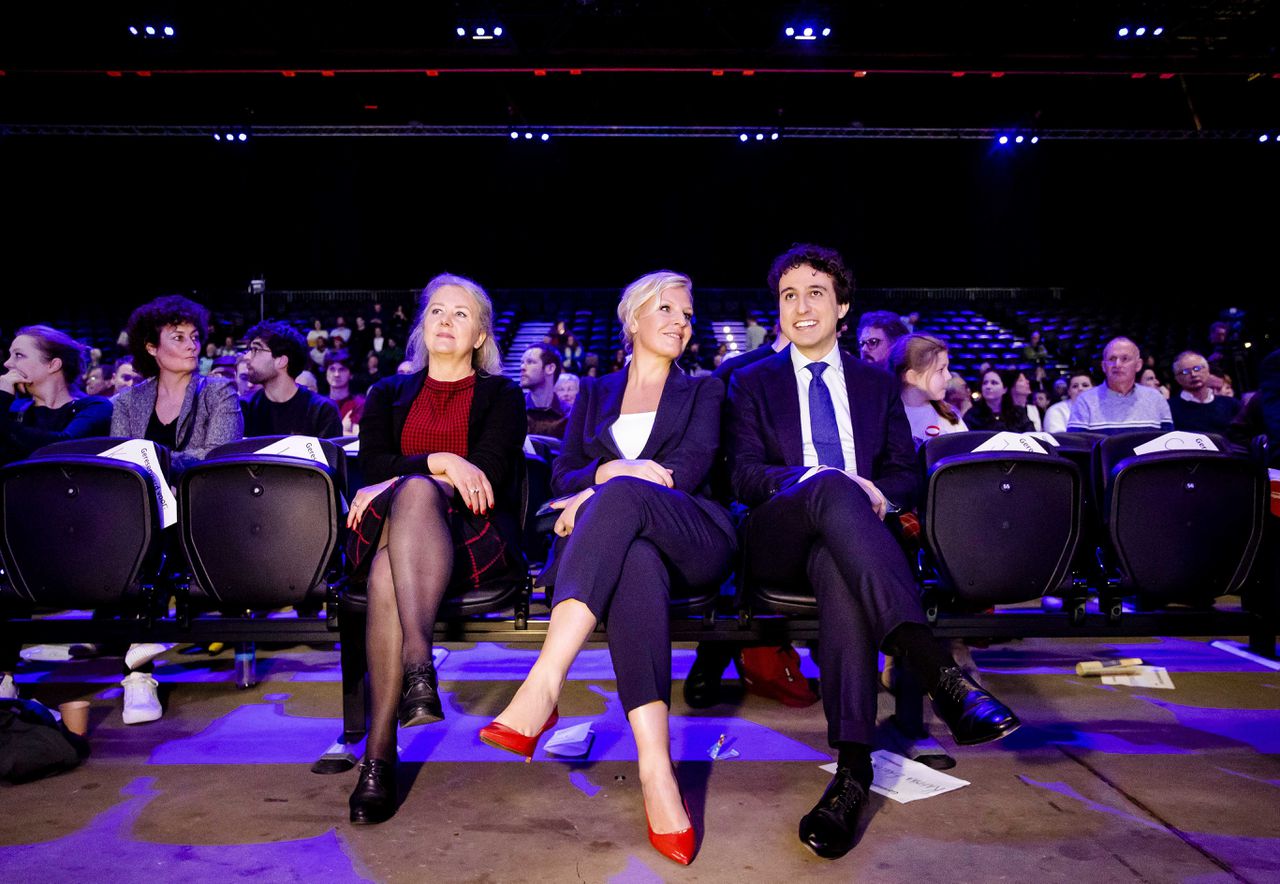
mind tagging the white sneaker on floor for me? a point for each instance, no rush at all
(8, 690)
(141, 655)
(141, 703)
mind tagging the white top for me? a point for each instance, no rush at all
(1034, 414)
(1055, 417)
(833, 378)
(927, 423)
(631, 432)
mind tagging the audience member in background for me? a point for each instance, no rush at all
(573, 354)
(1020, 396)
(877, 332)
(372, 371)
(1226, 356)
(318, 351)
(540, 368)
(619, 361)
(1035, 352)
(1196, 408)
(755, 332)
(228, 347)
(405, 367)
(245, 387)
(307, 380)
(1261, 415)
(559, 334)
(379, 341)
(1120, 404)
(567, 390)
(995, 409)
(210, 354)
(124, 376)
(1040, 399)
(910, 320)
(591, 365)
(224, 367)
(40, 400)
(1150, 377)
(392, 353)
(922, 365)
(337, 371)
(277, 355)
(174, 407)
(440, 449)
(691, 359)
(398, 325)
(640, 528)
(317, 332)
(958, 395)
(1055, 418)
(1227, 387)
(98, 381)
(1060, 389)
(361, 341)
(339, 334)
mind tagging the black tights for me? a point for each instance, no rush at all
(407, 580)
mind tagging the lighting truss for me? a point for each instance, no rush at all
(817, 133)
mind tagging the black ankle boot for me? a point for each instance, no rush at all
(374, 798)
(420, 702)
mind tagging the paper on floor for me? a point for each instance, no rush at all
(1147, 677)
(905, 780)
(571, 742)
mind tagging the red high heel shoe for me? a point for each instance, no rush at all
(677, 846)
(499, 736)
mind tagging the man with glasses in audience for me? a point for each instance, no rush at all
(1197, 408)
(877, 330)
(277, 355)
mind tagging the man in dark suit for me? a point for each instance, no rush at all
(820, 449)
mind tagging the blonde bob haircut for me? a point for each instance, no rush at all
(484, 358)
(641, 292)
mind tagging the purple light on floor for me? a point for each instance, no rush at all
(105, 847)
(1259, 728)
(1175, 654)
(1089, 804)
(582, 784)
(636, 872)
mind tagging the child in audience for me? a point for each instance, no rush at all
(922, 365)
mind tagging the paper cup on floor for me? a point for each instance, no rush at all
(75, 715)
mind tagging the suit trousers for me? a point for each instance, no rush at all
(825, 530)
(634, 545)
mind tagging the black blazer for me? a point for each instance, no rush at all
(495, 436)
(685, 436)
(766, 453)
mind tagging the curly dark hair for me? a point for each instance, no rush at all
(821, 259)
(146, 322)
(284, 340)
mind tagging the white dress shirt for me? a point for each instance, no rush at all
(833, 378)
(631, 432)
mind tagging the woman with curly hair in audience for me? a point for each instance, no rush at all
(996, 409)
(40, 398)
(640, 528)
(441, 449)
(177, 408)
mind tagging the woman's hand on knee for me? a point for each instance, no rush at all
(569, 511)
(361, 501)
(468, 479)
(649, 470)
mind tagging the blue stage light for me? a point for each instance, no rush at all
(242, 137)
(545, 136)
(742, 137)
(151, 32)
(1262, 139)
(1003, 139)
(1157, 32)
(461, 32)
(515, 136)
(773, 137)
(1018, 140)
(528, 136)
(497, 32)
(168, 30)
(133, 30)
(808, 32)
(1035, 139)
(1140, 32)
(217, 136)
(1123, 32)
(826, 32)
(790, 32)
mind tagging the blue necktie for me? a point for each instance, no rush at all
(822, 420)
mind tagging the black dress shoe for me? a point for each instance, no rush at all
(374, 798)
(973, 714)
(420, 702)
(830, 828)
(702, 685)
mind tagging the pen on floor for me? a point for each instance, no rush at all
(715, 750)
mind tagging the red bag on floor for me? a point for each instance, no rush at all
(774, 672)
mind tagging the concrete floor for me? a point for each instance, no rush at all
(1101, 784)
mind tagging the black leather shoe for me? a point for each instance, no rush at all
(702, 685)
(420, 701)
(830, 828)
(973, 714)
(374, 798)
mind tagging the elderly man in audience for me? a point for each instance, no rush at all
(820, 449)
(1121, 404)
(540, 368)
(877, 332)
(1197, 408)
(277, 355)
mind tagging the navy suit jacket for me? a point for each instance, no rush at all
(766, 453)
(684, 439)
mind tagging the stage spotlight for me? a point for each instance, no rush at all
(1262, 139)
(790, 32)
(1035, 139)
(742, 137)
(497, 32)
(759, 136)
(773, 136)
(826, 32)
(528, 136)
(151, 32)
(242, 137)
(461, 32)
(133, 30)
(1140, 32)
(168, 30)
(1003, 139)
(217, 136)
(1157, 32)
(545, 137)
(515, 136)
(1123, 32)
(1018, 140)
